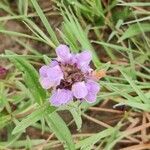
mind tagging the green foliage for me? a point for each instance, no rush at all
(45, 22)
(83, 144)
(4, 120)
(71, 23)
(76, 113)
(135, 29)
(58, 126)
(32, 118)
(31, 77)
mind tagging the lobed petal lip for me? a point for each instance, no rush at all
(93, 88)
(79, 90)
(54, 73)
(91, 98)
(83, 60)
(63, 53)
(61, 97)
(46, 83)
(43, 71)
(50, 76)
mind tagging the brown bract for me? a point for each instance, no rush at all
(72, 74)
(99, 74)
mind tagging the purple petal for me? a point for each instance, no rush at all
(53, 63)
(93, 88)
(86, 68)
(79, 90)
(43, 71)
(84, 58)
(61, 97)
(46, 83)
(50, 76)
(73, 59)
(91, 98)
(55, 74)
(63, 53)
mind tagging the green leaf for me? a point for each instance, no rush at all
(4, 120)
(116, 47)
(90, 141)
(122, 14)
(76, 113)
(3, 96)
(137, 105)
(45, 22)
(22, 143)
(98, 6)
(12, 138)
(38, 32)
(6, 8)
(31, 77)
(134, 30)
(46, 59)
(136, 4)
(23, 6)
(27, 46)
(33, 117)
(59, 127)
(13, 33)
(76, 31)
(135, 87)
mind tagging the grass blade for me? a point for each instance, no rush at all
(31, 77)
(58, 126)
(45, 22)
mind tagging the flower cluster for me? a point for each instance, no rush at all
(70, 77)
(3, 72)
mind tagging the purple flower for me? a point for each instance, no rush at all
(3, 72)
(50, 76)
(70, 77)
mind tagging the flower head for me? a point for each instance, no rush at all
(70, 77)
(3, 72)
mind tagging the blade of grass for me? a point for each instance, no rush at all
(45, 22)
(76, 29)
(32, 118)
(133, 85)
(59, 127)
(38, 32)
(31, 77)
(83, 144)
(13, 33)
(134, 30)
